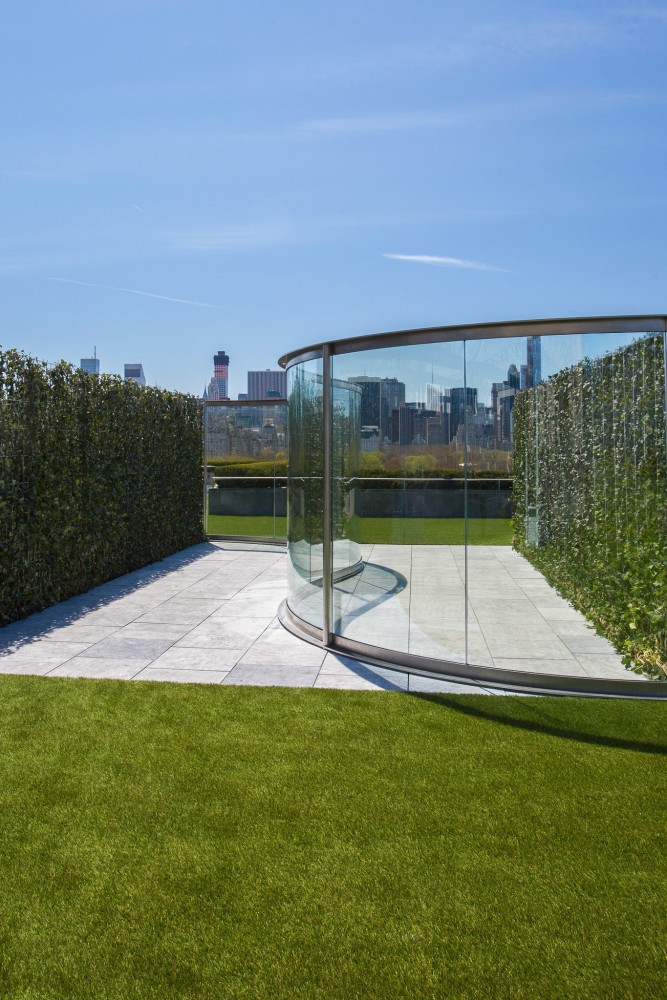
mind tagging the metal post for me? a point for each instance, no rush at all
(465, 501)
(326, 495)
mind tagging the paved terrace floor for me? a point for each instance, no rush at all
(208, 615)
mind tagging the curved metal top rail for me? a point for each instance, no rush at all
(481, 331)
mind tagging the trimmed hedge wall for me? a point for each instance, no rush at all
(98, 477)
(590, 494)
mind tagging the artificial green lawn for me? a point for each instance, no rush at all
(404, 531)
(432, 530)
(256, 526)
(173, 841)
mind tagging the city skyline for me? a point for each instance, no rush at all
(185, 174)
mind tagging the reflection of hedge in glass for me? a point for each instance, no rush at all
(98, 477)
(305, 433)
(590, 494)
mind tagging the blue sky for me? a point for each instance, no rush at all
(183, 176)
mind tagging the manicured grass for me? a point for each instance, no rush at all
(178, 841)
(431, 530)
(398, 531)
(260, 526)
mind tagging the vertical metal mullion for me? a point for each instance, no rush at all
(465, 501)
(326, 495)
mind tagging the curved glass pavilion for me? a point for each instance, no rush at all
(458, 496)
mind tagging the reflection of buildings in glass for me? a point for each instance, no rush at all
(379, 397)
(412, 423)
(533, 362)
(462, 400)
(246, 432)
(434, 396)
(504, 393)
(369, 438)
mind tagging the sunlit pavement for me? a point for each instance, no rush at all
(208, 615)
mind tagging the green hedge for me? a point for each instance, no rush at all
(251, 467)
(590, 494)
(98, 477)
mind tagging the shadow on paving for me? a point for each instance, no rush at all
(69, 610)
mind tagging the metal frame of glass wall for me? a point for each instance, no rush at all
(473, 391)
(250, 434)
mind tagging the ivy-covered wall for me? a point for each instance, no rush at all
(98, 477)
(590, 494)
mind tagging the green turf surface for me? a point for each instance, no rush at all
(402, 531)
(431, 530)
(183, 841)
(255, 525)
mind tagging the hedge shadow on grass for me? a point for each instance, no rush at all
(509, 711)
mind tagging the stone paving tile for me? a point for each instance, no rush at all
(196, 658)
(181, 612)
(80, 633)
(151, 630)
(588, 644)
(252, 605)
(569, 667)
(278, 647)
(86, 666)
(119, 647)
(208, 612)
(558, 612)
(542, 648)
(272, 675)
(606, 665)
(181, 676)
(39, 667)
(521, 612)
(42, 648)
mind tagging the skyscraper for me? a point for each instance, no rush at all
(379, 398)
(135, 373)
(218, 387)
(91, 365)
(533, 362)
(267, 384)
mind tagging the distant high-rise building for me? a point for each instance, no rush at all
(267, 384)
(91, 365)
(135, 373)
(463, 400)
(533, 362)
(379, 398)
(218, 387)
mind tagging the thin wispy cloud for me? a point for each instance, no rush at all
(135, 291)
(470, 265)
(239, 238)
(397, 122)
(137, 209)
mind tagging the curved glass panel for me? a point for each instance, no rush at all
(497, 502)
(406, 488)
(306, 491)
(245, 455)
